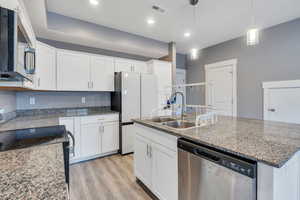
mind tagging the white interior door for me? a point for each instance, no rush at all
(221, 88)
(283, 104)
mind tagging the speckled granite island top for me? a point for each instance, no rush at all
(33, 173)
(272, 143)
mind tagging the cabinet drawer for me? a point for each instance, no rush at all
(99, 119)
(159, 137)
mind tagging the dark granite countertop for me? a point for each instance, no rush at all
(33, 173)
(272, 143)
(49, 117)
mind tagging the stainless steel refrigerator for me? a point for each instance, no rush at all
(135, 96)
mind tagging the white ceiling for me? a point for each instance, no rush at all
(216, 20)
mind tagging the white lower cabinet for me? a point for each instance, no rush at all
(164, 172)
(95, 136)
(90, 140)
(142, 160)
(155, 162)
(110, 137)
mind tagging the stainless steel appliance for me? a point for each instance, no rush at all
(17, 58)
(135, 96)
(209, 174)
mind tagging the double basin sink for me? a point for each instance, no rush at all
(173, 123)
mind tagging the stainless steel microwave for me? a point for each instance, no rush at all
(17, 57)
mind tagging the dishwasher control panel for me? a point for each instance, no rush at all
(238, 167)
(233, 162)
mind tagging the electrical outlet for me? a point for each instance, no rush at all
(83, 100)
(31, 100)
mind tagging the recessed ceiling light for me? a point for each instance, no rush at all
(94, 2)
(187, 34)
(150, 21)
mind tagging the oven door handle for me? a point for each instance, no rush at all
(72, 149)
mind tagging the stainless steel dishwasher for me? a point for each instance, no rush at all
(208, 174)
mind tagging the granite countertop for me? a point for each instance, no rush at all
(272, 143)
(33, 173)
(49, 117)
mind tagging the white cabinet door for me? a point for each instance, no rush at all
(102, 73)
(164, 172)
(90, 140)
(73, 71)
(142, 160)
(140, 67)
(45, 67)
(110, 137)
(123, 65)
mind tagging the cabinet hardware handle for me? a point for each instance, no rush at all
(150, 151)
(92, 83)
(147, 150)
(272, 110)
(88, 84)
(39, 82)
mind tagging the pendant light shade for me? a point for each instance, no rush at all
(194, 54)
(253, 33)
(252, 36)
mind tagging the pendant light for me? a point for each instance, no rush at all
(194, 52)
(253, 32)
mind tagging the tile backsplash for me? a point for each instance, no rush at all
(43, 100)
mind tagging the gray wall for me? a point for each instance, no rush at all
(277, 57)
(61, 99)
(8, 101)
(181, 61)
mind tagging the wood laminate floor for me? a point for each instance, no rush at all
(109, 178)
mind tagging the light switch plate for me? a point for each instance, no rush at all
(83, 100)
(31, 100)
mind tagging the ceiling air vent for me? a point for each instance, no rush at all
(158, 9)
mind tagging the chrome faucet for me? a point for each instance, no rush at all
(182, 104)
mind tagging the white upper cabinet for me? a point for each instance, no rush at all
(73, 71)
(45, 77)
(163, 72)
(123, 65)
(140, 66)
(102, 71)
(127, 65)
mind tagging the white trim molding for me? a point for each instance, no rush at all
(267, 86)
(281, 84)
(226, 63)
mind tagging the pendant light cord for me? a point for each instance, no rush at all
(252, 11)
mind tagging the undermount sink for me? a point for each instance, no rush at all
(162, 119)
(179, 124)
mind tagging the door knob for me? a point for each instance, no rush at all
(272, 110)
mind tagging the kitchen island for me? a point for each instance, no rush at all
(273, 145)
